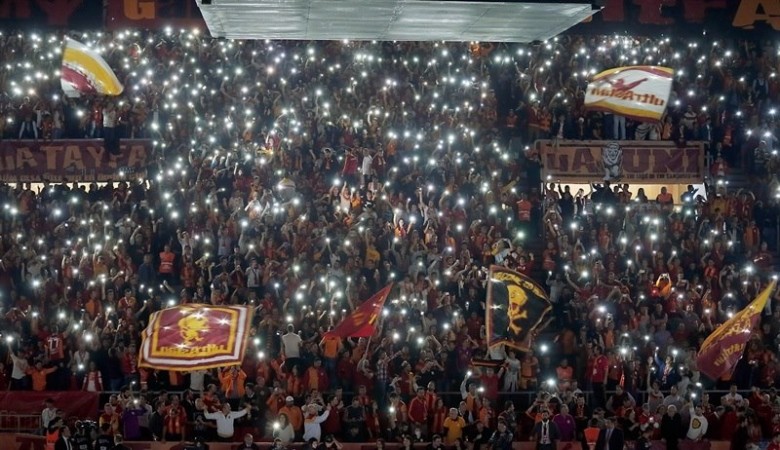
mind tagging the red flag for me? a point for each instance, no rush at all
(192, 337)
(362, 321)
(721, 351)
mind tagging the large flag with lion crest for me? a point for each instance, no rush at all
(192, 337)
(517, 308)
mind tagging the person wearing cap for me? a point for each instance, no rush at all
(312, 421)
(671, 428)
(293, 413)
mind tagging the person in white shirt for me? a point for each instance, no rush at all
(225, 420)
(732, 398)
(698, 426)
(19, 372)
(291, 348)
(365, 168)
(48, 414)
(196, 380)
(312, 421)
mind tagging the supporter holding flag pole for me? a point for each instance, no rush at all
(84, 71)
(721, 351)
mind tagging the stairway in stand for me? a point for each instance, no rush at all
(738, 179)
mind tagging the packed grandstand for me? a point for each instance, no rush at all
(302, 177)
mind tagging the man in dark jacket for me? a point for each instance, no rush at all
(64, 442)
(610, 438)
(671, 428)
(546, 433)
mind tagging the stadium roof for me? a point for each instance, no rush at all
(392, 20)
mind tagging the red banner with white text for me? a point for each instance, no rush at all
(70, 14)
(71, 160)
(719, 18)
(153, 14)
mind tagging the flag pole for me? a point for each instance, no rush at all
(379, 326)
(487, 310)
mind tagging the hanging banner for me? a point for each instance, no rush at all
(683, 17)
(637, 92)
(70, 14)
(82, 160)
(626, 161)
(194, 337)
(81, 404)
(153, 14)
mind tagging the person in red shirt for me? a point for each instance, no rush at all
(175, 421)
(489, 382)
(418, 411)
(598, 376)
(351, 163)
(316, 377)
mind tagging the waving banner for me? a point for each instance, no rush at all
(516, 308)
(191, 337)
(363, 320)
(638, 92)
(721, 351)
(84, 71)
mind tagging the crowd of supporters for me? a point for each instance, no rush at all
(301, 177)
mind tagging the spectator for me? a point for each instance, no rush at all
(697, 429)
(225, 421)
(48, 414)
(610, 437)
(312, 420)
(671, 428)
(248, 443)
(64, 442)
(565, 424)
(453, 426)
(283, 429)
(546, 433)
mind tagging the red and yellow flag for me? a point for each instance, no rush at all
(84, 71)
(191, 337)
(362, 322)
(721, 351)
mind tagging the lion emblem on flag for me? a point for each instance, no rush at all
(612, 160)
(191, 326)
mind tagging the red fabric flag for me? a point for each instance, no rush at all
(193, 337)
(362, 321)
(721, 351)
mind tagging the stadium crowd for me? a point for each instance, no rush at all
(301, 177)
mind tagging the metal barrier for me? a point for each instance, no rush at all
(18, 423)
